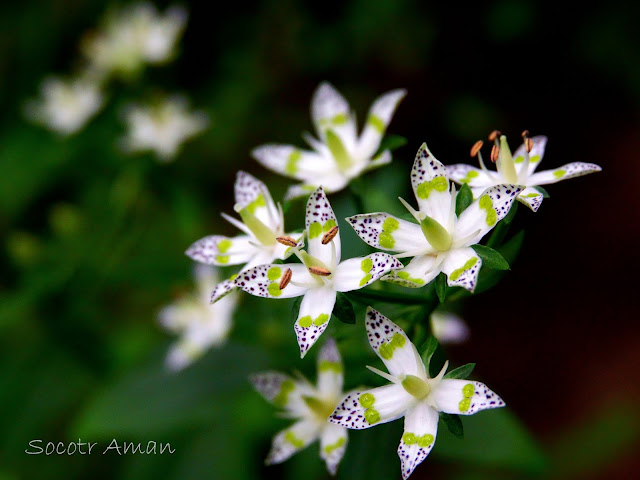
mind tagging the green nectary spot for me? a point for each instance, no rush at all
(371, 416)
(222, 258)
(519, 159)
(366, 265)
(468, 390)
(224, 245)
(559, 173)
(408, 278)
(531, 195)
(326, 365)
(338, 150)
(365, 279)
(377, 123)
(471, 174)
(464, 404)
(233, 277)
(387, 349)
(274, 289)
(459, 271)
(293, 440)
(305, 321)
(409, 438)
(321, 319)
(330, 448)
(439, 184)
(292, 162)
(328, 225)
(486, 204)
(258, 202)
(385, 239)
(340, 119)
(367, 400)
(274, 273)
(534, 159)
(280, 400)
(315, 230)
(425, 440)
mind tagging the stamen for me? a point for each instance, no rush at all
(385, 375)
(411, 210)
(476, 148)
(495, 152)
(525, 134)
(494, 135)
(528, 144)
(323, 272)
(288, 241)
(330, 235)
(286, 278)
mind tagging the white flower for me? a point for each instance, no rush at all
(448, 327)
(412, 394)
(311, 406)
(199, 323)
(263, 224)
(340, 154)
(162, 127)
(320, 276)
(66, 105)
(518, 169)
(441, 242)
(132, 37)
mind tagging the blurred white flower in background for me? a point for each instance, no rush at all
(449, 328)
(200, 324)
(132, 37)
(162, 127)
(65, 105)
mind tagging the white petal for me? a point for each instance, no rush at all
(314, 316)
(462, 265)
(333, 444)
(386, 232)
(300, 190)
(294, 162)
(181, 355)
(318, 221)
(383, 159)
(364, 409)
(531, 197)
(220, 251)
(484, 213)
(380, 115)
(251, 193)
(393, 346)
(464, 397)
(420, 271)
(222, 289)
(329, 110)
(359, 272)
(474, 177)
(535, 156)
(291, 440)
(330, 370)
(420, 430)
(431, 186)
(206, 279)
(282, 391)
(570, 170)
(264, 280)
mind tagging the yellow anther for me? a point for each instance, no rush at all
(476, 148)
(286, 278)
(323, 272)
(330, 235)
(288, 241)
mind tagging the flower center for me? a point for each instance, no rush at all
(262, 233)
(416, 386)
(505, 165)
(437, 236)
(338, 150)
(321, 408)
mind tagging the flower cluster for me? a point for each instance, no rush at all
(441, 242)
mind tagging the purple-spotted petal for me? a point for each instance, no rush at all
(420, 430)
(314, 316)
(318, 221)
(431, 186)
(464, 397)
(357, 273)
(264, 280)
(333, 444)
(462, 266)
(386, 232)
(291, 440)
(565, 172)
(221, 251)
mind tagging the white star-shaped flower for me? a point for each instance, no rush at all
(339, 155)
(200, 324)
(162, 127)
(66, 105)
(311, 406)
(133, 36)
(440, 242)
(412, 394)
(321, 275)
(519, 169)
(262, 225)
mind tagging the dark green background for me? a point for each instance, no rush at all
(92, 240)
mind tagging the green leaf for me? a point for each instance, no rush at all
(461, 372)
(463, 199)
(295, 308)
(391, 143)
(510, 249)
(453, 423)
(441, 287)
(343, 309)
(544, 193)
(428, 349)
(491, 258)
